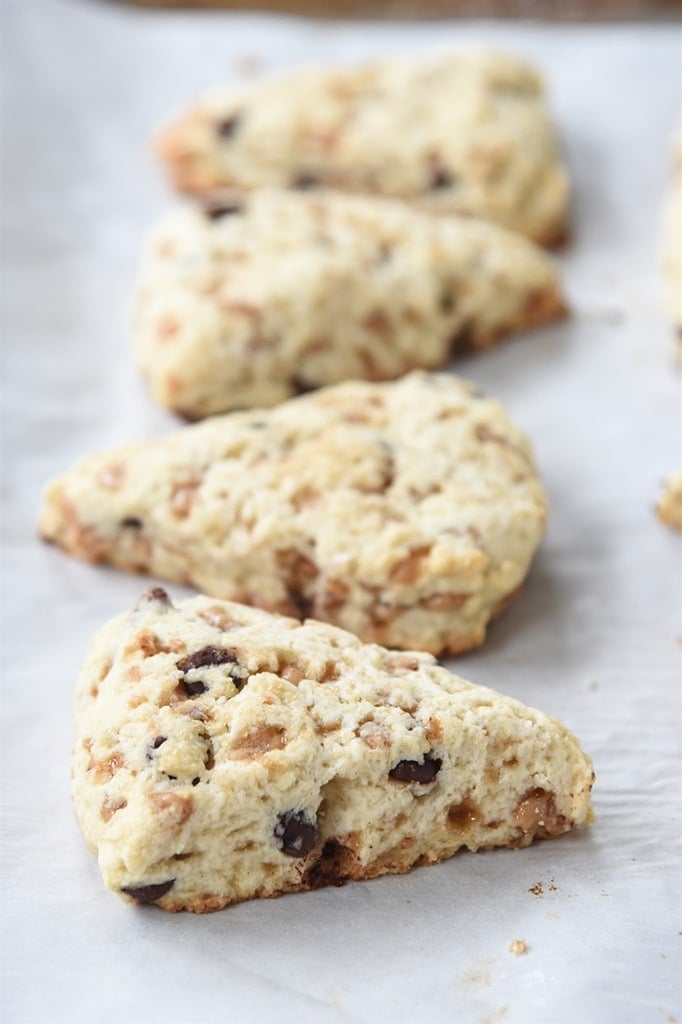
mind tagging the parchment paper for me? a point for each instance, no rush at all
(593, 640)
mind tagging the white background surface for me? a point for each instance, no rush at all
(594, 639)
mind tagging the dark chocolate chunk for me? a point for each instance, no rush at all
(301, 386)
(460, 340)
(228, 126)
(215, 210)
(305, 180)
(196, 781)
(447, 300)
(157, 594)
(297, 834)
(206, 657)
(132, 523)
(416, 771)
(194, 689)
(156, 743)
(148, 893)
(441, 177)
(303, 605)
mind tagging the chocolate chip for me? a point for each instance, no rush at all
(132, 523)
(301, 386)
(447, 300)
(416, 771)
(156, 594)
(460, 340)
(194, 689)
(305, 180)
(298, 835)
(148, 893)
(195, 782)
(206, 657)
(156, 743)
(303, 605)
(216, 210)
(228, 126)
(441, 177)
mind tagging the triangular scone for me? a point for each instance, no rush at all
(224, 753)
(281, 292)
(407, 513)
(462, 133)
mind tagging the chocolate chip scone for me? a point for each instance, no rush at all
(223, 753)
(407, 513)
(260, 298)
(669, 505)
(463, 133)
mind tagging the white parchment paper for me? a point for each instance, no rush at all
(593, 640)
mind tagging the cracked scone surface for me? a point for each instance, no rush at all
(223, 753)
(669, 505)
(407, 512)
(262, 297)
(463, 133)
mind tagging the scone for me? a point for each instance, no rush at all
(407, 512)
(461, 133)
(258, 299)
(669, 506)
(223, 753)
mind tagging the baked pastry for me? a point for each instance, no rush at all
(258, 299)
(461, 133)
(223, 753)
(406, 512)
(669, 505)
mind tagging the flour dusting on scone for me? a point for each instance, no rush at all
(462, 133)
(406, 512)
(254, 300)
(223, 753)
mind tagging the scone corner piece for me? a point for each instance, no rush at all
(223, 753)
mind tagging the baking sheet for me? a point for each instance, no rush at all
(593, 640)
